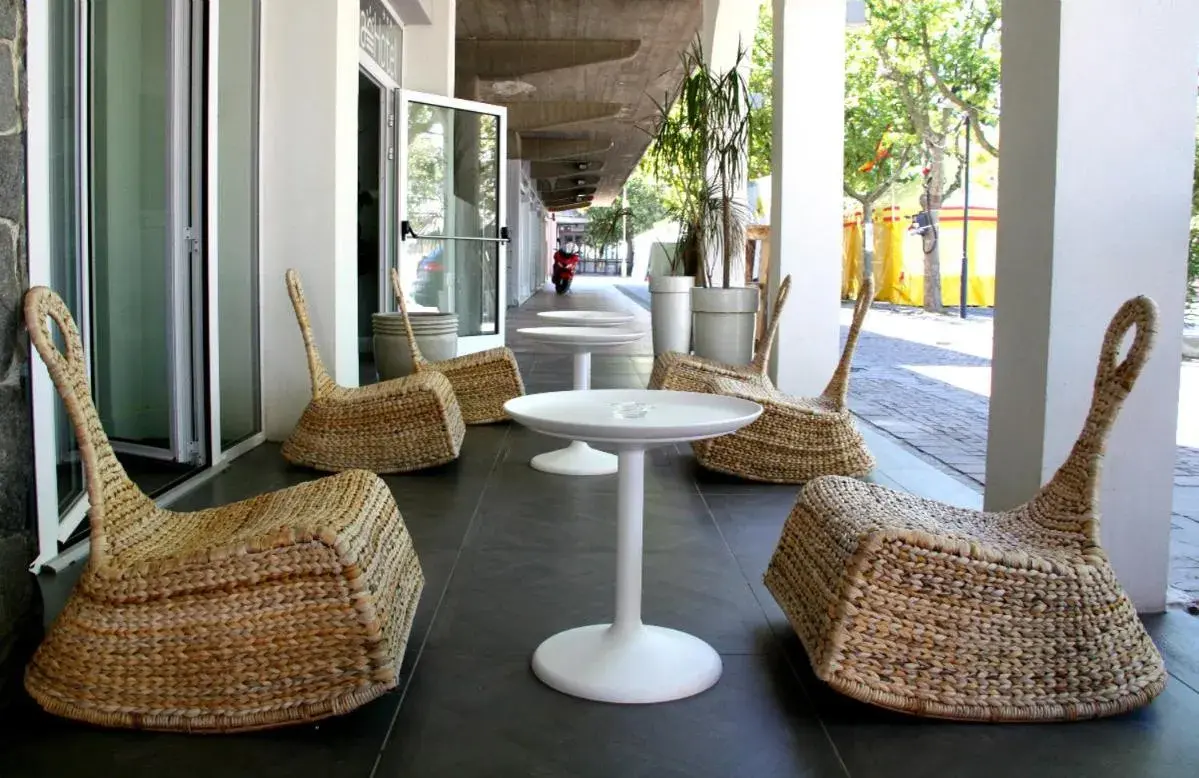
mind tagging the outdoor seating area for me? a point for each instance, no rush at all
(511, 556)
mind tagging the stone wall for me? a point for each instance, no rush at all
(16, 446)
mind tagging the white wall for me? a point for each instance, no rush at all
(309, 147)
(516, 231)
(1098, 124)
(429, 51)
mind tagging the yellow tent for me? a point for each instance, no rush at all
(899, 257)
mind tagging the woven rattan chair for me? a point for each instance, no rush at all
(795, 439)
(689, 373)
(287, 607)
(483, 381)
(924, 608)
(393, 426)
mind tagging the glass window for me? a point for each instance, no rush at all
(236, 219)
(65, 187)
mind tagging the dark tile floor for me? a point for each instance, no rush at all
(513, 555)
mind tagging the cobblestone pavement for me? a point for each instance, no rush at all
(926, 382)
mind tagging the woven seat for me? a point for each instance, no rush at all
(795, 439)
(924, 608)
(284, 608)
(390, 427)
(689, 373)
(483, 381)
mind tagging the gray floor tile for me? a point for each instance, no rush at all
(466, 717)
(41, 746)
(504, 603)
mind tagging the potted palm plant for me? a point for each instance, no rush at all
(701, 145)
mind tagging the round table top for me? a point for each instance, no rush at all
(632, 416)
(588, 318)
(582, 338)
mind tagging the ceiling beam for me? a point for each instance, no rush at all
(567, 207)
(533, 115)
(566, 186)
(509, 58)
(552, 149)
(565, 169)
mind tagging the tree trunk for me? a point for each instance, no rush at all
(728, 230)
(932, 259)
(867, 240)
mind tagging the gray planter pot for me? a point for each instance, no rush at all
(724, 323)
(436, 337)
(670, 312)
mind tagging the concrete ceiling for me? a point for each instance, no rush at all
(579, 78)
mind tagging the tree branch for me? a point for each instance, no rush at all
(896, 171)
(957, 179)
(970, 110)
(918, 118)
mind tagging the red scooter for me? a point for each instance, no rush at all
(565, 260)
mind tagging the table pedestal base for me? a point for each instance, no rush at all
(641, 664)
(576, 459)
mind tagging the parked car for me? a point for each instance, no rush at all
(430, 279)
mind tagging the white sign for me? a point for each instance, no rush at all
(379, 36)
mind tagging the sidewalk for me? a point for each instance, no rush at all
(927, 383)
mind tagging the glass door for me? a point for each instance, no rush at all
(120, 241)
(454, 232)
(141, 232)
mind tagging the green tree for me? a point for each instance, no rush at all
(880, 144)
(1193, 254)
(942, 56)
(761, 90)
(644, 208)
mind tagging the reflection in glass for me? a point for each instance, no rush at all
(453, 192)
(237, 210)
(130, 196)
(64, 213)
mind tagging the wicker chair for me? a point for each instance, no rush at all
(483, 381)
(795, 439)
(390, 427)
(938, 611)
(288, 607)
(689, 373)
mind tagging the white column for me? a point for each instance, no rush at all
(429, 51)
(727, 24)
(308, 204)
(1098, 134)
(805, 215)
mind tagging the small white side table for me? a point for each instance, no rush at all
(628, 661)
(588, 318)
(579, 458)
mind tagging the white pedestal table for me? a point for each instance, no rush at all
(628, 661)
(588, 318)
(579, 458)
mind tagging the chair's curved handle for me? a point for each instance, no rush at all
(1115, 377)
(40, 303)
(1073, 489)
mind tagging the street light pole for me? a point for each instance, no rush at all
(966, 227)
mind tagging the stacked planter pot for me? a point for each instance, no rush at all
(436, 337)
(724, 323)
(670, 310)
